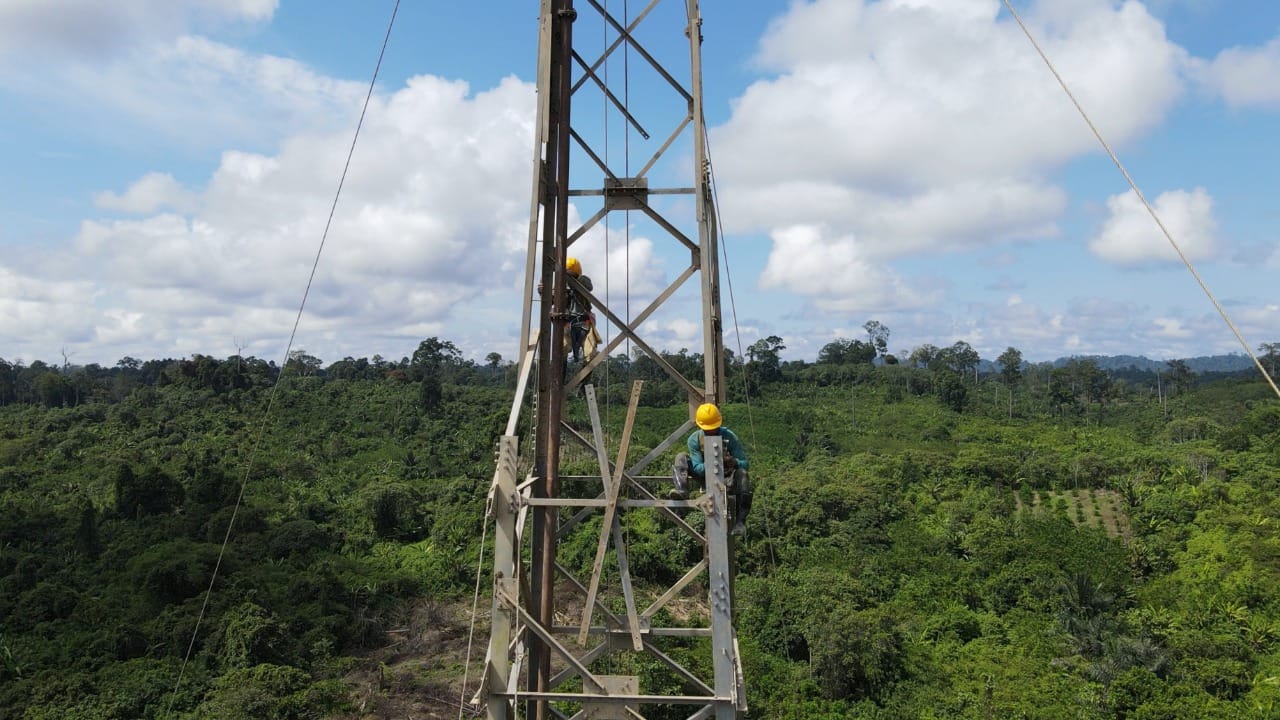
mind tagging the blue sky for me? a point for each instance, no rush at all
(169, 164)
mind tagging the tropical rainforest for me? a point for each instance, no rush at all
(229, 538)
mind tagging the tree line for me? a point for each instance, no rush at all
(953, 373)
(933, 540)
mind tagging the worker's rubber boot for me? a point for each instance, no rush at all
(680, 477)
(681, 489)
(742, 501)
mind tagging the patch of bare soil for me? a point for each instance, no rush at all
(418, 674)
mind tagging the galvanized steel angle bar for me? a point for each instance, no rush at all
(630, 329)
(614, 527)
(646, 699)
(592, 153)
(532, 624)
(675, 589)
(582, 714)
(703, 714)
(670, 139)
(590, 73)
(522, 381)
(678, 668)
(613, 489)
(582, 230)
(679, 521)
(663, 506)
(720, 573)
(661, 448)
(630, 38)
(608, 614)
(666, 225)
(622, 326)
(622, 37)
(586, 659)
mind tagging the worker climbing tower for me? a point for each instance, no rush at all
(569, 640)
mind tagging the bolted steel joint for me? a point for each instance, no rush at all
(705, 504)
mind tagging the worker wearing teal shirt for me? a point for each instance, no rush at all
(709, 422)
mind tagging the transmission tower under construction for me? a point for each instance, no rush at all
(565, 643)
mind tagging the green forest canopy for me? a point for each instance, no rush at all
(930, 540)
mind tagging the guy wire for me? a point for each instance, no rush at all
(266, 414)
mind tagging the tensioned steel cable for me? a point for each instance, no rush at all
(266, 413)
(1151, 210)
(728, 276)
(626, 165)
(604, 111)
(746, 385)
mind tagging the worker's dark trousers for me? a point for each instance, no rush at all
(578, 331)
(739, 484)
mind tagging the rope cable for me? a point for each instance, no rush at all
(728, 276)
(1150, 210)
(604, 102)
(475, 604)
(626, 164)
(266, 414)
(626, 214)
(746, 388)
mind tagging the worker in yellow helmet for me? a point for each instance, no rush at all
(709, 422)
(577, 310)
(577, 314)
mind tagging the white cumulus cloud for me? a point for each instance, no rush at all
(633, 267)
(1130, 236)
(43, 314)
(927, 126)
(836, 273)
(195, 91)
(1244, 76)
(92, 29)
(150, 193)
(1171, 329)
(429, 228)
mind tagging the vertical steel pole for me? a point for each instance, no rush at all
(555, 253)
(504, 571)
(538, 194)
(712, 330)
(720, 582)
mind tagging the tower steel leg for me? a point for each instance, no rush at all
(564, 656)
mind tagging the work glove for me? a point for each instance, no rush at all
(730, 463)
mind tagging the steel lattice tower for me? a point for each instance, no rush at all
(541, 663)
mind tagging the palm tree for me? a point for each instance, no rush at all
(1084, 612)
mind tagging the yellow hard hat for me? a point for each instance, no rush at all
(573, 266)
(708, 417)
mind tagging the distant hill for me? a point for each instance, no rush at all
(1205, 364)
(1208, 363)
